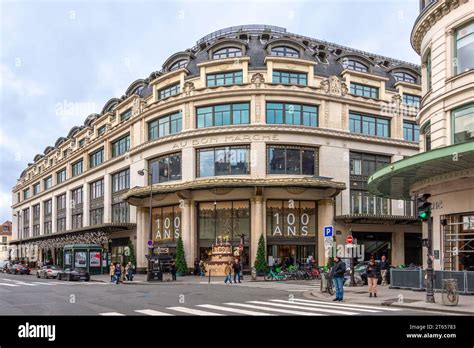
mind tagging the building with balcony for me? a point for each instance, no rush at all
(253, 131)
(5, 237)
(443, 35)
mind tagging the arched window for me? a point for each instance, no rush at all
(179, 64)
(354, 65)
(403, 76)
(285, 51)
(227, 52)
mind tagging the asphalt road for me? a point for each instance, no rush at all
(27, 295)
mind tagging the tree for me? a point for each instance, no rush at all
(181, 265)
(261, 260)
(131, 254)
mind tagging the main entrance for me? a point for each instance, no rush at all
(375, 244)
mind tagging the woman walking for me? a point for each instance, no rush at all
(112, 271)
(228, 273)
(373, 272)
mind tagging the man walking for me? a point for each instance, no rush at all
(236, 267)
(384, 268)
(337, 275)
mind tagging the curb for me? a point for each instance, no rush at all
(395, 304)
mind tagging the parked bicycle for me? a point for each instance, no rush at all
(328, 285)
(272, 275)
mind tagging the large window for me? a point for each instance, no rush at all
(289, 218)
(227, 52)
(47, 227)
(121, 181)
(165, 125)
(370, 125)
(179, 64)
(227, 78)
(96, 216)
(48, 182)
(26, 193)
(61, 202)
(223, 115)
(412, 100)
(168, 91)
(228, 219)
(463, 124)
(294, 160)
(36, 189)
(165, 168)
(101, 130)
(289, 78)
(77, 196)
(48, 207)
(364, 90)
(464, 50)
(61, 224)
(96, 158)
(285, 51)
(26, 223)
(77, 168)
(293, 114)
(354, 65)
(61, 176)
(97, 189)
(166, 223)
(411, 131)
(120, 146)
(426, 131)
(362, 202)
(403, 76)
(362, 164)
(428, 70)
(126, 115)
(231, 160)
(121, 212)
(36, 212)
(76, 221)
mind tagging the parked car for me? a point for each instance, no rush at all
(19, 269)
(74, 274)
(50, 271)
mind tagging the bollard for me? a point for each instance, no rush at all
(450, 294)
(209, 280)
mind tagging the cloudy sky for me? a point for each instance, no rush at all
(62, 60)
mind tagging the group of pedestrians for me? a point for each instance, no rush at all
(121, 272)
(374, 272)
(199, 268)
(233, 267)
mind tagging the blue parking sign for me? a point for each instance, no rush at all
(328, 231)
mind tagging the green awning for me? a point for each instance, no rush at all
(396, 180)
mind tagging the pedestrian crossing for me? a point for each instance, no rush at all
(12, 283)
(298, 307)
(290, 286)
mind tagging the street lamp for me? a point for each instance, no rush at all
(150, 235)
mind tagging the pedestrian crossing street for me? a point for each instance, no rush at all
(290, 286)
(300, 307)
(13, 283)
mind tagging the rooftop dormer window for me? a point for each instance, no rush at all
(285, 51)
(354, 65)
(403, 76)
(227, 52)
(179, 64)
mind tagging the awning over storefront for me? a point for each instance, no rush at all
(396, 180)
(88, 234)
(378, 219)
(202, 184)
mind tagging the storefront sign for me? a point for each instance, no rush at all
(80, 259)
(225, 139)
(167, 223)
(94, 259)
(291, 218)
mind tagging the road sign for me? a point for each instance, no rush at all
(349, 239)
(150, 244)
(328, 241)
(328, 231)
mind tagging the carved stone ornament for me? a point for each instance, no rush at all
(136, 107)
(397, 99)
(257, 79)
(188, 88)
(334, 86)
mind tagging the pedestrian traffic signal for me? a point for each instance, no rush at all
(424, 207)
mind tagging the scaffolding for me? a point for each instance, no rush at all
(458, 241)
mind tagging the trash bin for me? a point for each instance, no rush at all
(253, 273)
(450, 292)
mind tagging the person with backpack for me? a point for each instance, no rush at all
(237, 269)
(117, 273)
(373, 272)
(337, 275)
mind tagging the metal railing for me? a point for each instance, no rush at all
(415, 279)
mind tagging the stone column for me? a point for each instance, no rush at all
(187, 231)
(141, 247)
(54, 214)
(398, 247)
(257, 228)
(85, 205)
(107, 199)
(69, 205)
(325, 218)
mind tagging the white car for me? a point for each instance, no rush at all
(50, 271)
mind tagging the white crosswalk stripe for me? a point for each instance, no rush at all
(152, 312)
(192, 311)
(6, 284)
(350, 305)
(234, 310)
(18, 282)
(328, 305)
(272, 309)
(112, 314)
(15, 282)
(311, 309)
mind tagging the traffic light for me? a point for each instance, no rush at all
(424, 207)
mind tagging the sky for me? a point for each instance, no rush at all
(62, 60)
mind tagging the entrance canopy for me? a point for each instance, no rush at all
(396, 180)
(199, 184)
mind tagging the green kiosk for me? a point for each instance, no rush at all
(90, 257)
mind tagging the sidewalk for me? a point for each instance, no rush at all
(398, 298)
(189, 279)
